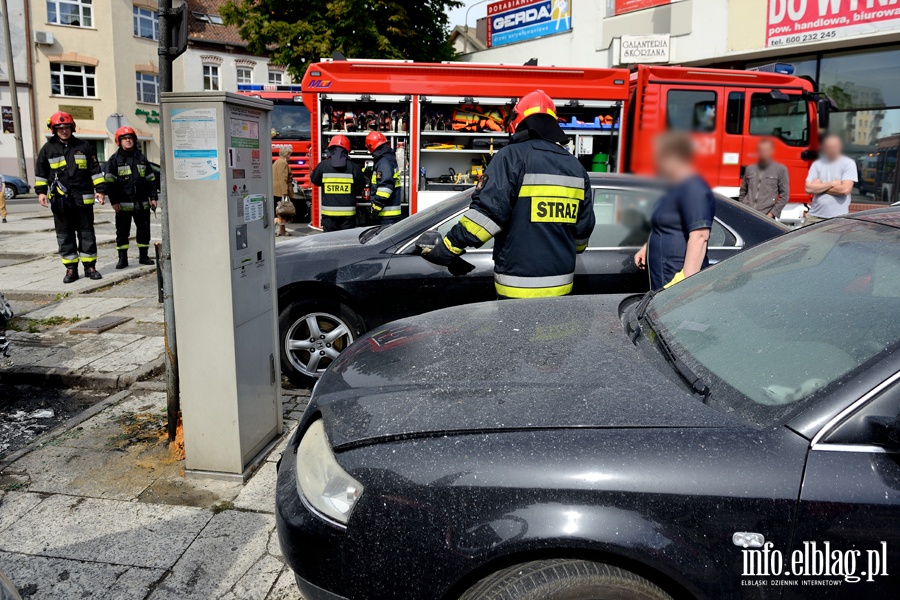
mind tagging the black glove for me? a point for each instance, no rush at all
(432, 247)
(376, 208)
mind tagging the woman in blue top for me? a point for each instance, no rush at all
(683, 218)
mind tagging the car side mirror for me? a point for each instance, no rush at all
(429, 239)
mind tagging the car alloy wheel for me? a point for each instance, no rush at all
(10, 192)
(314, 340)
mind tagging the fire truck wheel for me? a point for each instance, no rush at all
(313, 332)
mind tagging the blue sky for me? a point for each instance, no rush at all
(458, 16)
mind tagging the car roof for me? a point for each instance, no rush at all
(889, 216)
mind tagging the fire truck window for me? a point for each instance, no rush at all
(691, 110)
(785, 119)
(734, 113)
(290, 121)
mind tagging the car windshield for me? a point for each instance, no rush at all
(420, 221)
(787, 321)
(290, 121)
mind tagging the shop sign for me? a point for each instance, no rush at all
(793, 22)
(151, 117)
(644, 49)
(511, 21)
(79, 113)
(620, 7)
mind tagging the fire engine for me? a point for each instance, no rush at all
(445, 120)
(290, 125)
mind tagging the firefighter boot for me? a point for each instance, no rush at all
(123, 259)
(91, 272)
(145, 259)
(71, 274)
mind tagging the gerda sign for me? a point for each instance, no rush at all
(511, 21)
(792, 22)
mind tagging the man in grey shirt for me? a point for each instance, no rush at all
(766, 186)
(830, 181)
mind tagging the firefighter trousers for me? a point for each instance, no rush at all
(75, 233)
(338, 223)
(123, 228)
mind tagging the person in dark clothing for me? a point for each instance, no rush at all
(683, 217)
(341, 181)
(385, 186)
(131, 186)
(536, 199)
(68, 179)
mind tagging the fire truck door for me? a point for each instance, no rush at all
(700, 110)
(735, 145)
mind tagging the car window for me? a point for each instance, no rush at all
(411, 225)
(789, 319)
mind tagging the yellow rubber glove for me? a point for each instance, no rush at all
(679, 276)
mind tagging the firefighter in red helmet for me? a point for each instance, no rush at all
(385, 183)
(131, 186)
(69, 179)
(341, 181)
(535, 198)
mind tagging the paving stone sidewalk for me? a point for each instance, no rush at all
(103, 511)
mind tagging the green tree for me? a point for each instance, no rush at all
(299, 32)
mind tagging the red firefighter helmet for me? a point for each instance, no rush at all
(534, 103)
(60, 118)
(123, 131)
(374, 140)
(341, 141)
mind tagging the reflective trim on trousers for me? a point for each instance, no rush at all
(125, 247)
(71, 259)
(126, 206)
(140, 245)
(338, 211)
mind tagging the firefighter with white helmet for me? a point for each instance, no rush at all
(341, 181)
(535, 198)
(69, 179)
(131, 186)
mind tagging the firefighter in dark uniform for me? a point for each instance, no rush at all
(68, 179)
(131, 187)
(385, 187)
(341, 181)
(535, 198)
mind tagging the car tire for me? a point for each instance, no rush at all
(563, 579)
(10, 192)
(298, 341)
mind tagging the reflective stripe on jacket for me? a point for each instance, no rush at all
(130, 180)
(386, 182)
(536, 200)
(74, 165)
(340, 187)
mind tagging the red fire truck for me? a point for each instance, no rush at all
(443, 118)
(290, 125)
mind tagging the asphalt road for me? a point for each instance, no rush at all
(23, 204)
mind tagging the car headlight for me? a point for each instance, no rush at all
(321, 480)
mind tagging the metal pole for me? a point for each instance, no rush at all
(165, 261)
(14, 94)
(466, 40)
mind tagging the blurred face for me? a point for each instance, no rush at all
(127, 142)
(832, 147)
(668, 165)
(765, 152)
(64, 132)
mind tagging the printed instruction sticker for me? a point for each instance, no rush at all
(195, 143)
(244, 133)
(254, 207)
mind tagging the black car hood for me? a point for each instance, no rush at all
(321, 242)
(532, 364)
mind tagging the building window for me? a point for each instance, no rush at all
(69, 12)
(244, 75)
(147, 88)
(208, 18)
(76, 81)
(691, 110)
(146, 24)
(276, 77)
(211, 78)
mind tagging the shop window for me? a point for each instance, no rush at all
(734, 113)
(862, 79)
(276, 77)
(244, 75)
(783, 118)
(211, 78)
(146, 24)
(147, 88)
(76, 13)
(76, 81)
(872, 139)
(691, 110)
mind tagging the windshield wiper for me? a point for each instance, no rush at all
(368, 234)
(682, 369)
(639, 312)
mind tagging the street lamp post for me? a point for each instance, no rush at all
(466, 39)
(13, 93)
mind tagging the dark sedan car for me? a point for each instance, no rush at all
(336, 286)
(735, 436)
